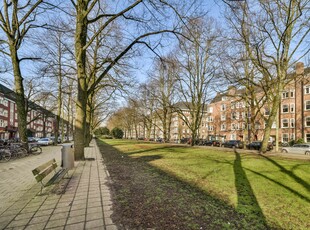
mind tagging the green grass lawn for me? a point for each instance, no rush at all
(270, 189)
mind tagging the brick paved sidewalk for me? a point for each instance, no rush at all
(80, 202)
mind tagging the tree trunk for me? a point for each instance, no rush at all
(81, 102)
(20, 96)
(273, 114)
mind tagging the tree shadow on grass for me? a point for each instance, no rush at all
(247, 202)
(290, 173)
(148, 197)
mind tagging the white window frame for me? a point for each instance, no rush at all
(285, 94)
(282, 123)
(288, 108)
(306, 105)
(292, 123)
(292, 108)
(306, 121)
(223, 107)
(307, 137)
(307, 89)
(223, 127)
(223, 117)
(284, 136)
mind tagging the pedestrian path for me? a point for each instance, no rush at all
(80, 201)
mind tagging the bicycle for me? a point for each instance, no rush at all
(34, 149)
(17, 150)
(5, 154)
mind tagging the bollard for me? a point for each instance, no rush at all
(67, 156)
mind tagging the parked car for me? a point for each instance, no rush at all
(297, 148)
(217, 143)
(54, 140)
(207, 143)
(31, 139)
(45, 141)
(233, 144)
(256, 145)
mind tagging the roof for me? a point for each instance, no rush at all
(10, 94)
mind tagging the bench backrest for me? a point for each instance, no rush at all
(43, 170)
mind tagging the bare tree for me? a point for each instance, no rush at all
(196, 60)
(146, 16)
(58, 64)
(147, 106)
(272, 33)
(17, 18)
(163, 81)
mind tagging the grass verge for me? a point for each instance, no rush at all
(166, 186)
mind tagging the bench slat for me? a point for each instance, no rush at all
(57, 177)
(43, 166)
(39, 177)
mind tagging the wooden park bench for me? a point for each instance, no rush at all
(45, 169)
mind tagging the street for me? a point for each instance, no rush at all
(16, 175)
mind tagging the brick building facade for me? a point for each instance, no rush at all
(41, 121)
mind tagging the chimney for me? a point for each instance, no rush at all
(299, 68)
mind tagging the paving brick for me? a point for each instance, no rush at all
(56, 223)
(78, 226)
(39, 219)
(86, 203)
(39, 226)
(94, 223)
(76, 219)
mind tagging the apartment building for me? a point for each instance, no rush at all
(41, 121)
(229, 117)
(232, 115)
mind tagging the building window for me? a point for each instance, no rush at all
(292, 107)
(223, 127)
(307, 89)
(210, 109)
(232, 106)
(234, 126)
(308, 137)
(223, 107)
(307, 104)
(284, 123)
(285, 137)
(284, 108)
(233, 136)
(285, 95)
(292, 123)
(224, 98)
(233, 115)
(223, 117)
(209, 118)
(308, 121)
(210, 128)
(292, 94)
(292, 136)
(237, 105)
(267, 111)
